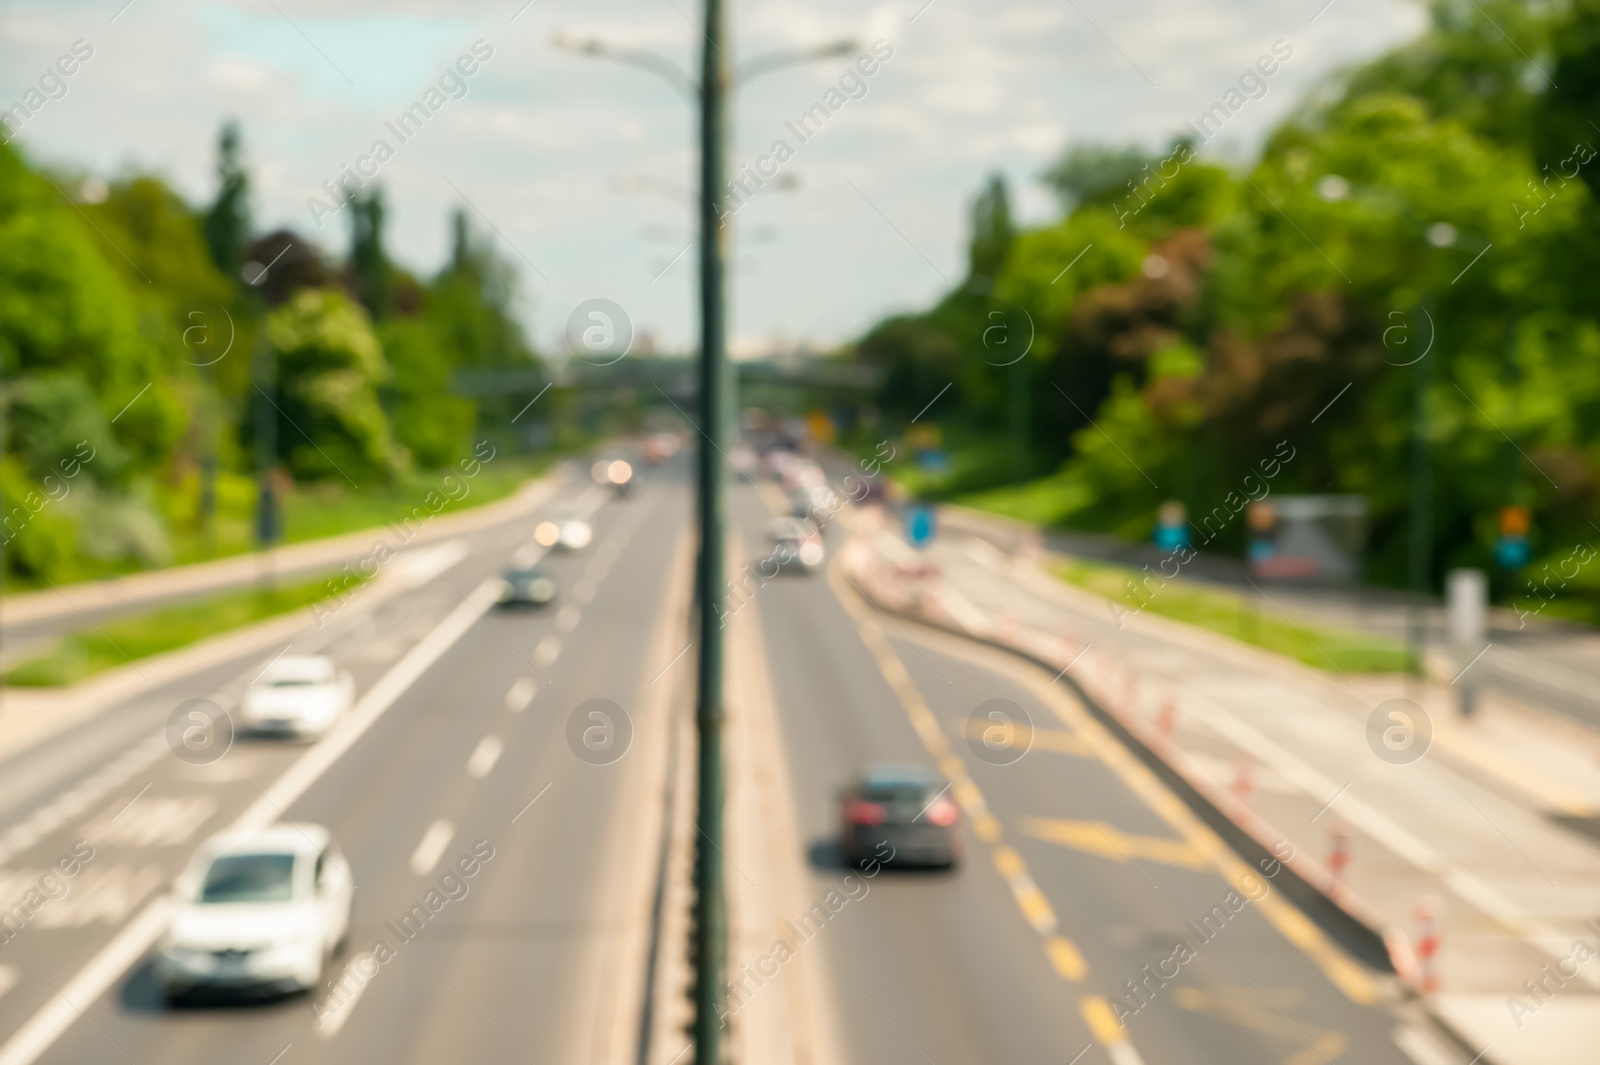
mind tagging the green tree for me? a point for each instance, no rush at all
(992, 233)
(331, 425)
(227, 221)
(370, 269)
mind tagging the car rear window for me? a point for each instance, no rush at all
(249, 878)
(903, 799)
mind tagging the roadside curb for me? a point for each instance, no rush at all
(1094, 678)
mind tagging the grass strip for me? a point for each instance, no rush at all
(82, 654)
(1240, 617)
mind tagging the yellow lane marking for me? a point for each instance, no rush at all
(1036, 910)
(1102, 1021)
(1108, 1031)
(1022, 738)
(1065, 957)
(1035, 907)
(1252, 1009)
(1353, 980)
(1107, 841)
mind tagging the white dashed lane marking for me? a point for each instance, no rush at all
(484, 756)
(521, 694)
(434, 841)
(547, 650)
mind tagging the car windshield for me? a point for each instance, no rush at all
(524, 575)
(294, 682)
(249, 878)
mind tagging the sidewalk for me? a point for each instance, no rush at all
(1556, 663)
(1490, 824)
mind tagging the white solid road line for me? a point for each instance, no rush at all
(484, 756)
(521, 694)
(432, 846)
(329, 1023)
(1421, 1047)
(128, 946)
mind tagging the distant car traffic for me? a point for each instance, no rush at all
(564, 530)
(614, 473)
(907, 808)
(660, 447)
(795, 545)
(526, 586)
(802, 473)
(257, 910)
(298, 695)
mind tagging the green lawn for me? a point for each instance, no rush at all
(1246, 619)
(313, 512)
(83, 654)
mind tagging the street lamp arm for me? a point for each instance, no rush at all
(658, 65)
(791, 57)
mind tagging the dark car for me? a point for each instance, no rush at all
(526, 587)
(900, 815)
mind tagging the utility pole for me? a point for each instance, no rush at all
(264, 375)
(1021, 427)
(1421, 512)
(710, 95)
(208, 462)
(710, 910)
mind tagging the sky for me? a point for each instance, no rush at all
(582, 168)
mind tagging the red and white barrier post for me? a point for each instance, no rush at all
(1427, 916)
(1339, 853)
(1168, 721)
(1243, 777)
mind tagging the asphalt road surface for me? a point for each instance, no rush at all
(968, 966)
(509, 971)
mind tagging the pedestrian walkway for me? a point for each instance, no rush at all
(1470, 846)
(1531, 655)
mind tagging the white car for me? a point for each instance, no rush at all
(298, 695)
(257, 910)
(795, 545)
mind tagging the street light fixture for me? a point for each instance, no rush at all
(659, 65)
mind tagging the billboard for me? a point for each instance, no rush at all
(1309, 538)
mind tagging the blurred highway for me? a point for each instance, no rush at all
(969, 966)
(1088, 872)
(517, 968)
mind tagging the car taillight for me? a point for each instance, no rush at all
(942, 813)
(864, 813)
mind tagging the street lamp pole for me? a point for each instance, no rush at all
(716, 401)
(264, 376)
(1421, 513)
(710, 908)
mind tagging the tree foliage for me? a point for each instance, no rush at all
(1439, 199)
(103, 288)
